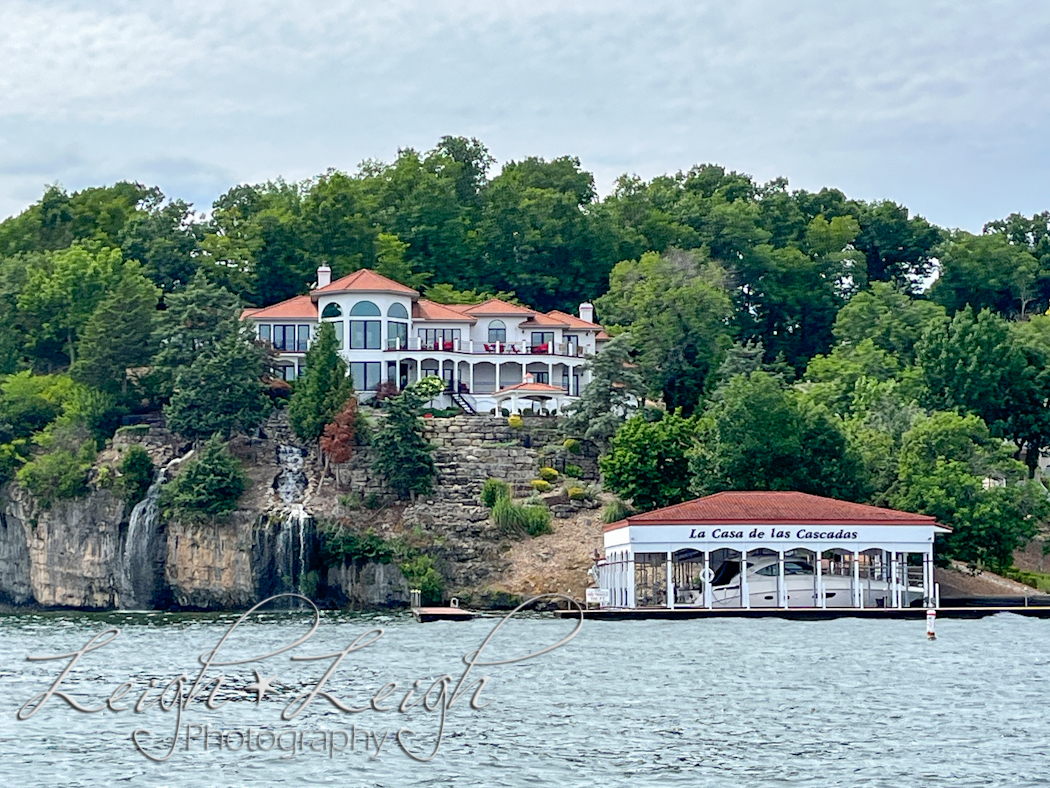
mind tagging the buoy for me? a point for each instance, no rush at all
(931, 620)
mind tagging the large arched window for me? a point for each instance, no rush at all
(365, 309)
(397, 328)
(332, 310)
(497, 331)
(365, 334)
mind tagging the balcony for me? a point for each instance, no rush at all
(470, 347)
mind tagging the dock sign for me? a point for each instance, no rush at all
(599, 596)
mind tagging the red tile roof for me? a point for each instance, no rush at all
(571, 320)
(496, 307)
(365, 280)
(300, 307)
(543, 320)
(543, 388)
(771, 508)
(431, 310)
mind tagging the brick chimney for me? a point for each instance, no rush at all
(324, 275)
(587, 312)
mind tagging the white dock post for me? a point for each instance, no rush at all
(670, 583)
(931, 620)
(708, 577)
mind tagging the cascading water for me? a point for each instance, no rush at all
(139, 561)
(291, 548)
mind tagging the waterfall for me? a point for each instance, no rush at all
(291, 557)
(139, 565)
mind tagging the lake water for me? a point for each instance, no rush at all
(727, 702)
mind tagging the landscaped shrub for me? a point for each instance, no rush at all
(577, 493)
(572, 446)
(616, 510)
(136, 474)
(340, 545)
(493, 490)
(350, 501)
(541, 485)
(548, 474)
(573, 471)
(518, 520)
(373, 501)
(515, 422)
(208, 485)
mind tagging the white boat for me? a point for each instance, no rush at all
(836, 586)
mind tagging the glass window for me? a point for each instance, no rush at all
(438, 338)
(302, 342)
(366, 374)
(769, 571)
(398, 331)
(338, 334)
(332, 310)
(497, 331)
(542, 338)
(284, 338)
(264, 332)
(366, 334)
(365, 309)
(541, 377)
(397, 310)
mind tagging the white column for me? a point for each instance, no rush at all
(745, 594)
(708, 602)
(856, 580)
(499, 383)
(471, 384)
(896, 598)
(820, 600)
(670, 582)
(629, 569)
(782, 596)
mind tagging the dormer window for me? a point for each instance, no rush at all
(497, 331)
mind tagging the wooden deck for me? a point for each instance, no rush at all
(425, 615)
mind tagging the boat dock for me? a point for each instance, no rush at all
(425, 615)
(970, 608)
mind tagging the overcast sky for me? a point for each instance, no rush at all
(942, 106)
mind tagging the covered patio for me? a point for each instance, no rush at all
(743, 550)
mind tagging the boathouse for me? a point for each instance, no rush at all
(769, 549)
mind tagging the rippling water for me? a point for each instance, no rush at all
(727, 702)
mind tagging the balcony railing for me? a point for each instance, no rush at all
(469, 346)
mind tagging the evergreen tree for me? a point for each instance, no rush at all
(117, 335)
(322, 390)
(196, 319)
(208, 485)
(402, 455)
(616, 391)
(221, 391)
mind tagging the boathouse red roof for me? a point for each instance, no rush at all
(772, 508)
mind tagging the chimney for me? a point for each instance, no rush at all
(324, 275)
(587, 312)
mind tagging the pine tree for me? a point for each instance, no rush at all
(117, 335)
(402, 455)
(196, 319)
(322, 390)
(221, 391)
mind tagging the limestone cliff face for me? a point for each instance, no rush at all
(209, 565)
(65, 556)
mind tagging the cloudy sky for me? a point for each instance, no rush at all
(939, 105)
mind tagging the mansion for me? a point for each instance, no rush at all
(493, 356)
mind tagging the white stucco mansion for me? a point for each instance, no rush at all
(493, 356)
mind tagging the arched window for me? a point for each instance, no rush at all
(397, 310)
(332, 310)
(365, 309)
(497, 331)
(365, 334)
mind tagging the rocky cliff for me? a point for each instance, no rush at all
(98, 553)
